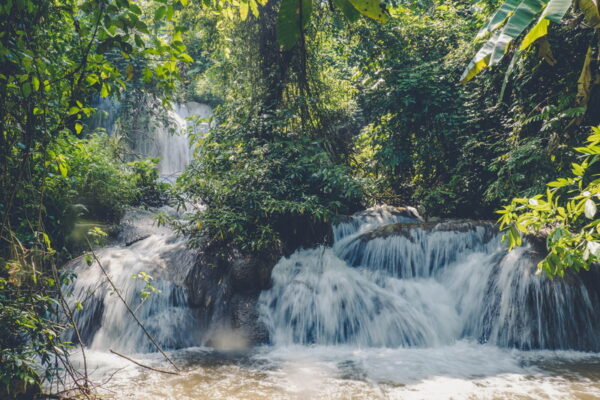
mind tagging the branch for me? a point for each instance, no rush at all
(162, 371)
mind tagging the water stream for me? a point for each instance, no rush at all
(395, 308)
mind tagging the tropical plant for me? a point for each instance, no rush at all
(565, 216)
(55, 56)
(263, 188)
(515, 17)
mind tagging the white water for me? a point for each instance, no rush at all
(425, 285)
(463, 370)
(171, 142)
(417, 311)
(104, 321)
(167, 138)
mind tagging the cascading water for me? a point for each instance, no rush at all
(143, 248)
(104, 321)
(170, 141)
(396, 308)
(425, 284)
(167, 138)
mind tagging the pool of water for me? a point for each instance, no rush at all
(464, 370)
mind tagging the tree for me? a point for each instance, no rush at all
(54, 56)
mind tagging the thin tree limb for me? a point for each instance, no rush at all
(162, 371)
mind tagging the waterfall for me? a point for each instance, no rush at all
(142, 248)
(170, 140)
(395, 281)
(172, 143)
(167, 137)
(389, 280)
(104, 321)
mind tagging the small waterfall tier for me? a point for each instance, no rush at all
(392, 280)
(170, 140)
(165, 136)
(104, 321)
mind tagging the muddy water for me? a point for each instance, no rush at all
(463, 370)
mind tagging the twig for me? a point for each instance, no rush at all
(69, 313)
(142, 365)
(110, 377)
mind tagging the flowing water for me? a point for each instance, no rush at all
(170, 141)
(395, 308)
(406, 310)
(167, 137)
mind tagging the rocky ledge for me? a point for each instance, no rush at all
(405, 228)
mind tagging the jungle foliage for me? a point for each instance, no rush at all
(271, 173)
(565, 213)
(55, 56)
(321, 108)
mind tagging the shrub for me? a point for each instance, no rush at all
(264, 187)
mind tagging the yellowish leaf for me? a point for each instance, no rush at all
(540, 29)
(243, 10)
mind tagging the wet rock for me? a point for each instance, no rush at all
(246, 319)
(250, 274)
(224, 290)
(405, 228)
(377, 212)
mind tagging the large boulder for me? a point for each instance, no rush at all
(223, 288)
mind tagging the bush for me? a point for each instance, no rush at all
(264, 187)
(149, 191)
(92, 181)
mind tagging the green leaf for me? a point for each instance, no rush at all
(135, 9)
(186, 57)
(160, 13)
(522, 17)
(35, 82)
(62, 167)
(372, 8)
(78, 128)
(499, 17)
(347, 9)
(554, 11)
(480, 61)
(253, 7)
(289, 26)
(243, 10)
(26, 89)
(539, 30)
(104, 90)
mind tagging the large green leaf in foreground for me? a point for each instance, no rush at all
(375, 9)
(508, 23)
(293, 16)
(554, 12)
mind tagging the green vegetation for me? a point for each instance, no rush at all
(321, 109)
(262, 185)
(54, 57)
(566, 214)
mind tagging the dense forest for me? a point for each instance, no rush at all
(462, 109)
